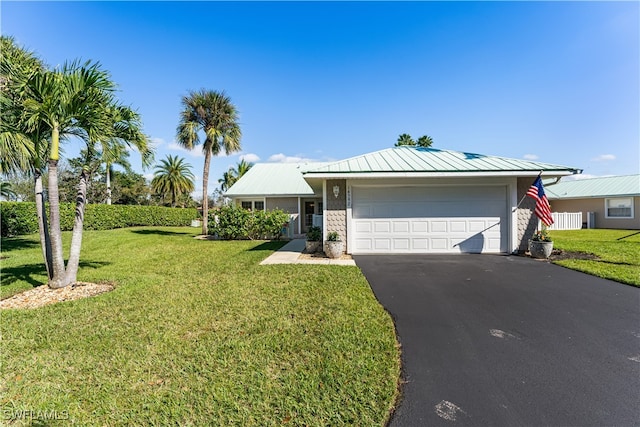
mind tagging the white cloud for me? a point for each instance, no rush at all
(250, 157)
(530, 157)
(604, 158)
(156, 142)
(196, 152)
(281, 158)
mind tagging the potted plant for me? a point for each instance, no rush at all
(333, 247)
(541, 244)
(314, 235)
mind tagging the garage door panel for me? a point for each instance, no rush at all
(440, 220)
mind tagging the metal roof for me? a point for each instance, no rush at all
(274, 179)
(431, 160)
(607, 186)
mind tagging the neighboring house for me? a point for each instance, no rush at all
(410, 199)
(615, 200)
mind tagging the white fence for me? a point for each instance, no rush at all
(565, 221)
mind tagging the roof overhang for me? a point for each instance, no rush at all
(471, 174)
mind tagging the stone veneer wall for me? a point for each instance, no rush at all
(336, 209)
(527, 220)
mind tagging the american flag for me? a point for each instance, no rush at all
(543, 210)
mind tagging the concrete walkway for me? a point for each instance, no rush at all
(290, 254)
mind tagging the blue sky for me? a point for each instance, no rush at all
(554, 82)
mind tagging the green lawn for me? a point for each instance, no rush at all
(619, 257)
(197, 333)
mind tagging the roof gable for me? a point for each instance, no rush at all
(606, 186)
(273, 179)
(418, 159)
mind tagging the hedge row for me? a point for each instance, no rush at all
(233, 223)
(20, 217)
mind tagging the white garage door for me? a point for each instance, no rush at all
(429, 219)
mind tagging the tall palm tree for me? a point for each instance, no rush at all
(173, 177)
(213, 114)
(126, 135)
(71, 101)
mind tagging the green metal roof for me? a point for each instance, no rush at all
(627, 185)
(274, 179)
(432, 160)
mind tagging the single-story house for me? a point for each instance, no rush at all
(614, 201)
(407, 199)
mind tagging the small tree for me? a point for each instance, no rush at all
(173, 177)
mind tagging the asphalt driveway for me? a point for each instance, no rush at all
(509, 341)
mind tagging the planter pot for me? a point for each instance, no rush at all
(311, 247)
(333, 249)
(540, 249)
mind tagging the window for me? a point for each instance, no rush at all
(252, 205)
(619, 208)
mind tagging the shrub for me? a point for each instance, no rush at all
(20, 217)
(314, 234)
(233, 223)
(333, 236)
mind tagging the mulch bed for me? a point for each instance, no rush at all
(43, 295)
(559, 254)
(320, 255)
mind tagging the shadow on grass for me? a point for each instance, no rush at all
(161, 232)
(13, 243)
(272, 245)
(28, 272)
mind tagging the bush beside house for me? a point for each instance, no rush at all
(235, 223)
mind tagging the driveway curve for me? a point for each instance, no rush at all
(509, 341)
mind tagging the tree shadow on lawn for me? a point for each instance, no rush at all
(149, 231)
(28, 272)
(272, 245)
(13, 243)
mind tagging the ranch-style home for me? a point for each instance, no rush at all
(406, 199)
(605, 202)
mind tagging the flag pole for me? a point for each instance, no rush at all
(525, 195)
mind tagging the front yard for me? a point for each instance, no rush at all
(617, 253)
(195, 333)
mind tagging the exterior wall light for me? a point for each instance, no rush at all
(336, 190)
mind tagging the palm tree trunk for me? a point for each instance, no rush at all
(205, 184)
(43, 227)
(58, 276)
(108, 184)
(76, 237)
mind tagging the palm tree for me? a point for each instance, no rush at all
(242, 168)
(214, 114)
(405, 139)
(6, 191)
(231, 176)
(173, 177)
(228, 179)
(71, 101)
(425, 141)
(17, 149)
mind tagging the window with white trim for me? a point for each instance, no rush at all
(621, 207)
(252, 205)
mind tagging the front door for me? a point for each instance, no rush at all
(309, 210)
